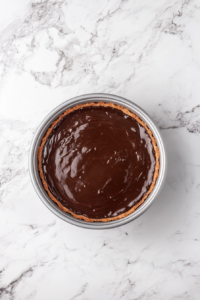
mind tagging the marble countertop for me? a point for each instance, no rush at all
(148, 52)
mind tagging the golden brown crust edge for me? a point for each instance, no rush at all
(127, 112)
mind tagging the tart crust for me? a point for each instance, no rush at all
(125, 111)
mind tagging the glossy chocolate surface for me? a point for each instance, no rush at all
(98, 162)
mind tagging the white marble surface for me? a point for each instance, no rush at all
(147, 51)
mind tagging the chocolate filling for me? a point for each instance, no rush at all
(98, 162)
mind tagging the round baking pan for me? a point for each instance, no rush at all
(33, 160)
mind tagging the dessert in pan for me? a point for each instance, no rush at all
(98, 162)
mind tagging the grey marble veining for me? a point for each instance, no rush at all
(147, 51)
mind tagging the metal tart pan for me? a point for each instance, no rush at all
(46, 123)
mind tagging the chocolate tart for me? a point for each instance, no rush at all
(98, 162)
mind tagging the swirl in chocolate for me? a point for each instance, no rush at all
(98, 162)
